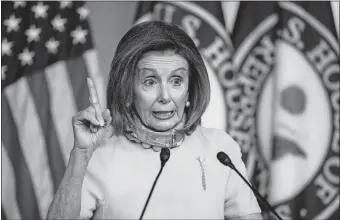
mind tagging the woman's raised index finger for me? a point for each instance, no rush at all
(94, 100)
(93, 92)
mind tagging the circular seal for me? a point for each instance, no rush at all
(290, 110)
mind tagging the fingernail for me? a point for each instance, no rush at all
(101, 121)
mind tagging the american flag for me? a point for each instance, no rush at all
(47, 54)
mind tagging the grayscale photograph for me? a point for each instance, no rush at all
(170, 110)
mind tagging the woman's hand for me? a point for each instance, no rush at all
(92, 125)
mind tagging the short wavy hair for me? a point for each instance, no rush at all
(155, 36)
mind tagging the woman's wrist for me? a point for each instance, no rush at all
(79, 160)
(83, 153)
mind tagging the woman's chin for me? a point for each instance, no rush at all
(162, 126)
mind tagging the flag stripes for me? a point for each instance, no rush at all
(25, 195)
(47, 54)
(41, 96)
(78, 81)
(30, 134)
(8, 186)
(38, 92)
(57, 75)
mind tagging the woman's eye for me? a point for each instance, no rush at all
(149, 82)
(177, 81)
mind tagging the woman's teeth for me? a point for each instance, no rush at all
(163, 114)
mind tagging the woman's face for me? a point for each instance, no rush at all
(161, 89)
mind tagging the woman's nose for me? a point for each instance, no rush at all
(164, 96)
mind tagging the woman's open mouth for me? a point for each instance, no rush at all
(163, 115)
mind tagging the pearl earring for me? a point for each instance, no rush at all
(187, 104)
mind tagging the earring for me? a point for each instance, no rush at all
(128, 105)
(187, 104)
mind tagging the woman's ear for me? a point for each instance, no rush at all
(187, 103)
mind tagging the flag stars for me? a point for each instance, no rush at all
(79, 35)
(6, 47)
(33, 33)
(26, 57)
(65, 4)
(52, 45)
(12, 23)
(19, 4)
(3, 72)
(40, 10)
(58, 23)
(83, 13)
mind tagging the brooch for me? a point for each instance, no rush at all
(202, 162)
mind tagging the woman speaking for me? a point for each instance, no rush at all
(147, 156)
